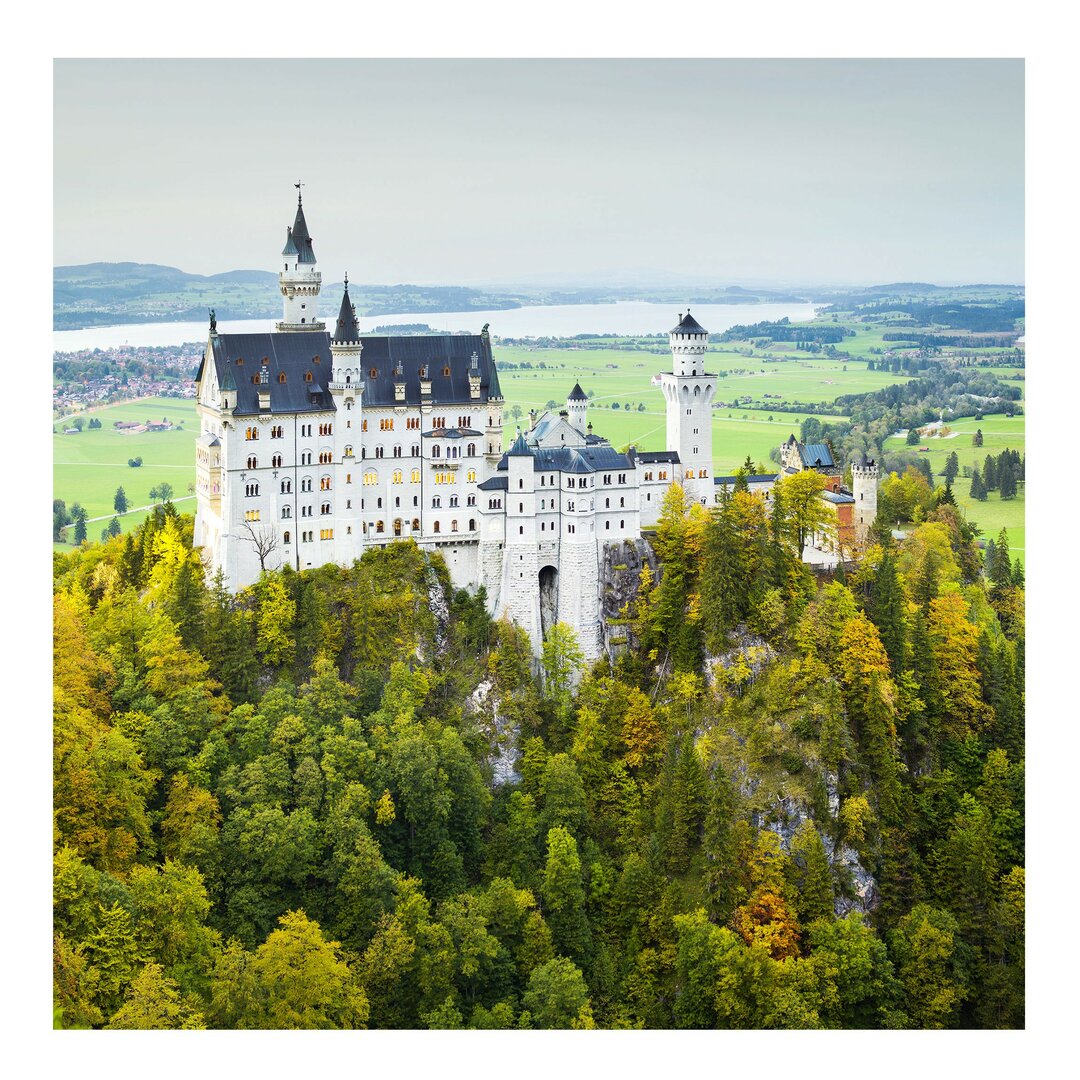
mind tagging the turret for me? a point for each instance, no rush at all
(577, 406)
(688, 341)
(300, 280)
(864, 479)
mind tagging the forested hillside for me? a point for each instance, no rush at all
(343, 798)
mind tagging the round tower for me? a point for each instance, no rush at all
(689, 390)
(688, 341)
(300, 279)
(577, 408)
(864, 479)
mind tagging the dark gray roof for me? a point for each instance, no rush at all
(571, 459)
(450, 433)
(520, 448)
(290, 247)
(650, 457)
(837, 497)
(347, 327)
(293, 355)
(300, 235)
(494, 483)
(577, 394)
(689, 325)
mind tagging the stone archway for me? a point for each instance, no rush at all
(549, 599)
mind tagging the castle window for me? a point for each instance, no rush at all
(386, 424)
(325, 457)
(471, 450)
(436, 502)
(324, 509)
(281, 376)
(622, 504)
(435, 528)
(416, 524)
(663, 474)
(607, 524)
(702, 472)
(648, 476)
(287, 537)
(277, 432)
(240, 361)
(326, 534)
(453, 525)
(446, 369)
(251, 490)
(397, 476)
(251, 434)
(378, 451)
(286, 511)
(308, 377)
(622, 523)
(397, 451)
(363, 425)
(286, 487)
(607, 504)
(472, 524)
(379, 526)
(378, 503)
(325, 483)
(275, 461)
(414, 476)
(251, 515)
(622, 478)
(253, 462)
(521, 530)
(326, 429)
(413, 423)
(453, 500)
(347, 452)
(438, 422)
(689, 473)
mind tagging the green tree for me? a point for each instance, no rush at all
(78, 515)
(564, 896)
(913, 437)
(929, 962)
(978, 488)
(154, 1003)
(120, 501)
(810, 875)
(952, 468)
(557, 996)
(305, 979)
(561, 658)
(977, 438)
(806, 513)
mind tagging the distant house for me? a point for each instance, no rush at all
(71, 431)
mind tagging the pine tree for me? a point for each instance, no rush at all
(1001, 571)
(886, 611)
(952, 468)
(1007, 479)
(978, 488)
(990, 472)
(977, 438)
(120, 502)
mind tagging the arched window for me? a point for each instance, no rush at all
(286, 511)
(472, 524)
(287, 536)
(286, 487)
(471, 451)
(307, 374)
(275, 461)
(379, 526)
(281, 378)
(453, 525)
(414, 476)
(397, 476)
(435, 527)
(253, 462)
(347, 452)
(325, 484)
(251, 434)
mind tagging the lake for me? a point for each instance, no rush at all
(557, 320)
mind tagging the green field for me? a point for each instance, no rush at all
(999, 433)
(90, 466)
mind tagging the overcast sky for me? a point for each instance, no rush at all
(470, 172)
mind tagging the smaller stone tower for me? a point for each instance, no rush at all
(864, 479)
(300, 279)
(577, 407)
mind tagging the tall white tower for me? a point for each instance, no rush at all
(577, 408)
(346, 387)
(689, 391)
(300, 279)
(864, 478)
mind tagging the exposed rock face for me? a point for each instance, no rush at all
(748, 650)
(505, 751)
(620, 578)
(439, 605)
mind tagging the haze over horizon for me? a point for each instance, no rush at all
(750, 172)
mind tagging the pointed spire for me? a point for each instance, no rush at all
(577, 394)
(347, 329)
(300, 235)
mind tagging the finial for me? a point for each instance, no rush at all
(346, 280)
(299, 194)
(213, 322)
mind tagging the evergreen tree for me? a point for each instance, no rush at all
(952, 468)
(78, 515)
(1006, 478)
(886, 611)
(978, 488)
(990, 474)
(1001, 572)
(977, 438)
(120, 502)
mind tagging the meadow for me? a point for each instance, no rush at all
(90, 466)
(1000, 432)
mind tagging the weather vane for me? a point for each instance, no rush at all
(299, 194)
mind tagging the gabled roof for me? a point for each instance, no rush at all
(651, 457)
(837, 497)
(571, 459)
(577, 394)
(689, 325)
(816, 455)
(494, 483)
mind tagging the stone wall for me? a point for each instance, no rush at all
(621, 564)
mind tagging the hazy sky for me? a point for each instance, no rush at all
(474, 171)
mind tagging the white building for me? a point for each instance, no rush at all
(315, 445)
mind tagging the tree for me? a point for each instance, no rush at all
(806, 514)
(810, 874)
(977, 438)
(120, 501)
(561, 658)
(305, 979)
(78, 423)
(952, 468)
(61, 517)
(162, 493)
(264, 540)
(978, 488)
(154, 1003)
(557, 996)
(564, 896)
(926, 951)
(78, 515)
(1006, 479)
(913, 437)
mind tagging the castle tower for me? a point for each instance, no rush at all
(347, 387)
(520, 590)
(864, 478)
(300, 279)
(689, 391)
(577, 407)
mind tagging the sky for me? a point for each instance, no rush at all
(477, 172)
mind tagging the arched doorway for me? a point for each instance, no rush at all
(549, 599)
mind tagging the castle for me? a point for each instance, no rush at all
(315, 445)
